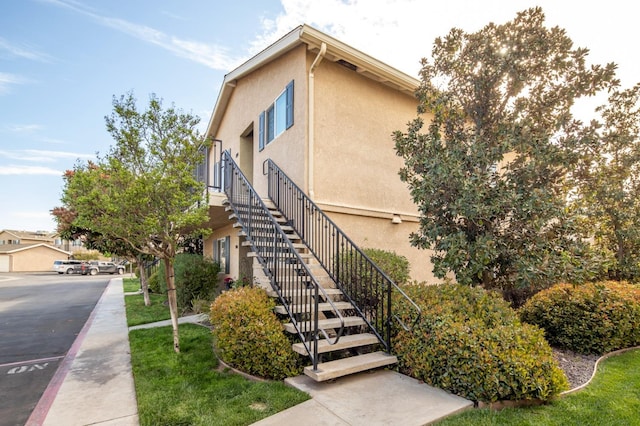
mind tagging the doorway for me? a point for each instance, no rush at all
(246, 153)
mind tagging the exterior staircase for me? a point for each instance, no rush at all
(339, 337)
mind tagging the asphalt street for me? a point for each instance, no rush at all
(40, 316)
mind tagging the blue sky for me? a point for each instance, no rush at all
(62, 61)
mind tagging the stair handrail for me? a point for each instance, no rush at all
(298, 209)
(309, 338)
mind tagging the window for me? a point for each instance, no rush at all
(221, 253)
(201, 168)
(277, 118)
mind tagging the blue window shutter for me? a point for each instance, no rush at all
(270, 123)
(261, 132)
(227, 250)
(290, 104)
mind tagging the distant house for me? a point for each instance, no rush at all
(29, 257)
(29, 251)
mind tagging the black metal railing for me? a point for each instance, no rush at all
(367, 287)
(290, 277)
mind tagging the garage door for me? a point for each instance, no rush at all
(4, 262)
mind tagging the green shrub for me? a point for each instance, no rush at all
(248, 335)
(196, 277)
(157, 285)
(589, 318)
(397, 267)
(470, 342)
(88, 255)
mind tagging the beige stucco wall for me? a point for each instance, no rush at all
(252, 95)
(381, 233)
(355, 160)
(34, 260)
(356, 168)
(355, 174)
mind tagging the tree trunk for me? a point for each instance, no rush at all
(173, 300)
(144, 282)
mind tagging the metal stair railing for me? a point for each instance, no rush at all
(360, 279)
(290, 277)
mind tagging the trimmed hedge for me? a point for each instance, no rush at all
(249, 337)
(592, 318)
(471, 343)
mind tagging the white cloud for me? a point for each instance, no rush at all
(384, 29)
(212, 56)
(23, 128)
(28, 170)
(402, 32)
(7, 80)
(43, 156)
(23, 52)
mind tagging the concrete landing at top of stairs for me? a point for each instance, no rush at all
(381, 397)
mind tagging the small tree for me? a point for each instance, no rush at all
(144, 192)
(608, 183)
(489, 174)
(65, 219)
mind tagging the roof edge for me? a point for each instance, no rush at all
(313, 38)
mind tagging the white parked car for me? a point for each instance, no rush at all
(66, 266)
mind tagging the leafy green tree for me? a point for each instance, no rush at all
(489, 173)
(65, 219)
(144, 191)
(608, 182)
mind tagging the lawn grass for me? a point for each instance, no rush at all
(188, 389)
(612, 398)
(138, 313)
(130, 285)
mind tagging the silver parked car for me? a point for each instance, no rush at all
(66, 266)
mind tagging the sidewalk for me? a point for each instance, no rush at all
(94, 385)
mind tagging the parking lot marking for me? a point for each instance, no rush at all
(30, 362)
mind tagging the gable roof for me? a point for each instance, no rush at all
(37, 235)
(14, 248)
(314, 39)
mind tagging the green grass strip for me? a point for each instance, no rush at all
(130, 285)
(188, 389)
(138, 313)
(611, 399)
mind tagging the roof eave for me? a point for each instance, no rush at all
(336, 50)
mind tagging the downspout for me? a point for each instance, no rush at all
(310, 109)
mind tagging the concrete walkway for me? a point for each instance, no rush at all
(94, 385)
(379, 398)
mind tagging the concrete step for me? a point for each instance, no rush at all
(345, 342)
(298, 246)
(343, 367)
(323, 307)
(306, 293)
(260, 219)
(302, 255)
(288, 232)
(325, 324)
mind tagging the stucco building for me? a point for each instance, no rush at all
(324, 112)
(26, 251)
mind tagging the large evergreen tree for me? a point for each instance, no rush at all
(608, 183)
(489, 174)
